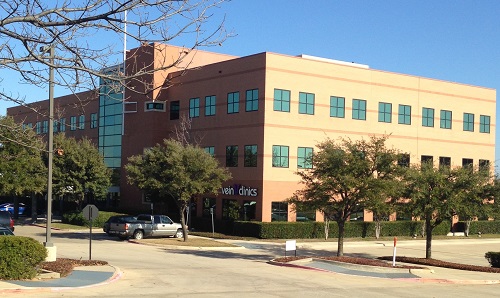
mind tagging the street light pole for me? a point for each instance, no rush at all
(51, 249)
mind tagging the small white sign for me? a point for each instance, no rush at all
(291, 245)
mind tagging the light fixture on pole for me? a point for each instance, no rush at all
(51, 249)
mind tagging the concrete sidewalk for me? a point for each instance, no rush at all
(81, 277)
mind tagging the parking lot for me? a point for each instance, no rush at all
(157, 271)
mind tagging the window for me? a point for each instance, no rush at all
(250, 156)
(404, 114)
(280, 156)
(210, 105)
(484, 124)
(306, 103)
(337, 107)
(304, 157)
(210, 150)
(62, 124)
(233, 102)
(467, 162)
(45, 127)
(426, 159)
(427, 117)
(194, 107)
(279, 211)
(445, 161)
(72, 123)
(384, 112)
(468, 122)
(208, 207)
(155, 106)
(484, 165)
(174, 110)
(445, 119)
(38, 128)
(249, 210)
(231, 156)
(359, 109)
(404, 160)
(93, 120)
(55, 125)
(81, 122)
(281, 100)
(252, 100)
(230, 209)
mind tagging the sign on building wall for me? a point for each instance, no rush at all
(239, 189)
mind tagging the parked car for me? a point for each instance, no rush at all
(6, 220)
(10, 207)
(117, 219)
(5, 232)
(147, 225)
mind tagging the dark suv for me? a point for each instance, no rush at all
(6, 220)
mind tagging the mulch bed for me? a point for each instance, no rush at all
(351, 260)
(382, 262)
(65, 266)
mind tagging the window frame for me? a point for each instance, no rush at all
(72, 124)
(359, 109)
(279, 159)
(426, 118)
(281, 102)
(252, 100)
(250, 156)
(174, 112)
(484, 126)
(468, 122)
(304, 159)
(210, 150)
(337, 110)
(233, 106)
(306, 103)
(194, 107)
(445, 119)
(232, 156)
(385, 112)
(404, 114)
(81, 122)
(210, 105)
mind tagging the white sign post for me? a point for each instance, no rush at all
(291, 245)
(90, 212)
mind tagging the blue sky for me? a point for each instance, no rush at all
(455, 40)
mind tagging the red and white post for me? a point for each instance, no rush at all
(394, 252)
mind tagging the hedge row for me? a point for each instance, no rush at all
(286, 230)
(304, 230)
(76, 218)
(483, 226)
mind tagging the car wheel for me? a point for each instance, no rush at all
(179, 233)
(138, 234)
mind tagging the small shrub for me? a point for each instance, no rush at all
(20, 257)
(493, 258)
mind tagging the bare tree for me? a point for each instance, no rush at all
(71, 28)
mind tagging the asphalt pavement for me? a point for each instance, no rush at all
(95, 276)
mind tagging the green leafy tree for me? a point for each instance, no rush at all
(22, 170)
(176, 170)
(477, 191)
(79, 169)
(438, 194)
(345, 177)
